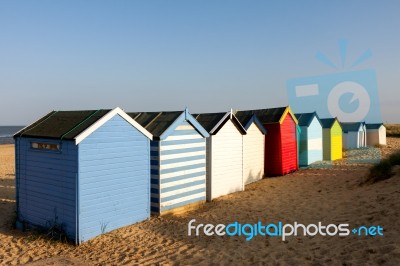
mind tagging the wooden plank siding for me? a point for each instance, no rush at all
(336, 141)
(289, 145)
(311, 143)
(114, 183)
(178, 169)
(253, 154)
(45, 182)
(273, 151)
(225, 162)
(376, 136)
(326, 144)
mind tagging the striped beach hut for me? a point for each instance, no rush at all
(224, 153)
(376, 134)
(281, 154)
(253, 146)
(178, 160)
(354, 135)
(84, 172)
(332, 139)
(310, 138)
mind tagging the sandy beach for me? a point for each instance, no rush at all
(329, 195)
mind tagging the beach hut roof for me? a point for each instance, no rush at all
(354, 126)
(213, 122)
(155, 122)
(373, 126)
(305, 119)
(246, 118)
(73, 125)
(327, 122)
(161, 124)
(274, 115)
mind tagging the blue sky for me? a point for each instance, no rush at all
(166, 55)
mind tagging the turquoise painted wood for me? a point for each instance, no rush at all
(101, 184)
(311, 143)
(178, 167)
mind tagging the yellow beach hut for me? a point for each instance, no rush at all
(332, 139)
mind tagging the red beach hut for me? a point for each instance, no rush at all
(280, 141)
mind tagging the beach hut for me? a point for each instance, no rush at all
(281, 155)
(298, 135)
(354, 135)
(310, 140)
(376, 134)
(332, 139)
(82, 172)
(178, 160)
(253, 146)
(224, 153)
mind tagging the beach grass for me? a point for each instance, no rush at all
(392, 130)
(383, 170)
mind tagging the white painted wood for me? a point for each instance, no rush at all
(253, 155)
(225, 170)
(116, 111)
(376, 136)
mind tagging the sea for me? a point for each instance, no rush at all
(7, 132)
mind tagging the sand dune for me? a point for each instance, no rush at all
(329, 195)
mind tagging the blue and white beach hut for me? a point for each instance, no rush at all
(178, 160)
(310, 138)
(85, 171)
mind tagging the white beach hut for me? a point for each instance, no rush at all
(253, 146)
(224, 153)
(376, 134)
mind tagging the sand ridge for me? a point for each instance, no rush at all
(329, 195)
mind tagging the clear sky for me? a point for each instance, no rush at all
(166, 55)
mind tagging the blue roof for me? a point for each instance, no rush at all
(327, 122)
(305, 119)
(209, 121)
(161, 124)
(373, 126)
(354, 126)
(246, 118)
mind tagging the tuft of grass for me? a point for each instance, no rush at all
(383, 170)
(52, 231)
(392, 130)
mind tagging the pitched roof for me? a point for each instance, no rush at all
(62, 124)
(271, 115)
(373, 126)
(209, 120)
(213, 122)
(74, 125)
(305, 119)
(355, 126)
(247, 117)
(327, 122)
(155, 122)
(244, 117)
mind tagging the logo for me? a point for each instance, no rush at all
(351, 96)
(249, 231)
